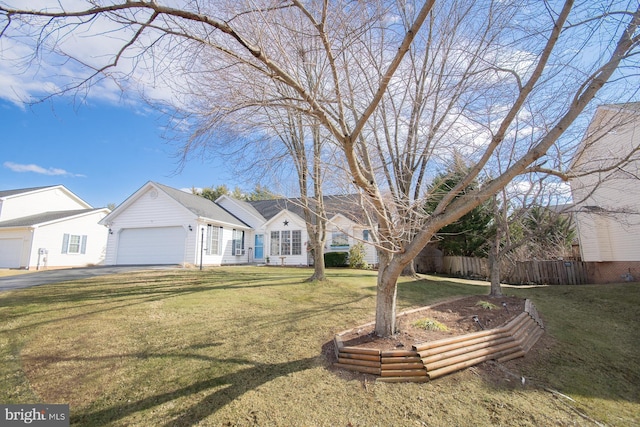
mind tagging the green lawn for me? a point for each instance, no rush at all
(244, 346)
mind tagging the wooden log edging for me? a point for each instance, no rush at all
(433, 359)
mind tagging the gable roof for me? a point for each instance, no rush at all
(45, 217)
(198, 205)
(8, 193)
(606, 117)
(5, 194)
(246, 206)
(629, 106)
(346, 205)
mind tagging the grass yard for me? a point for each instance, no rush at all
(242, 346)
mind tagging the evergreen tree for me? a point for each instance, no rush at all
(467, 236)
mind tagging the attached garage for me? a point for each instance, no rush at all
(163, 225)
(155, 245)
(10, 252)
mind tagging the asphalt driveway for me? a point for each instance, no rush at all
(54, 276)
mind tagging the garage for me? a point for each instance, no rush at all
(10, 251)
(157, 245)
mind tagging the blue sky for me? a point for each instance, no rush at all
(100, 151)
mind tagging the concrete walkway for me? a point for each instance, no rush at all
(27, 280)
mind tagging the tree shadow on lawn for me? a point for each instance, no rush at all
(127, 294)
(238, 383)
(123, 286)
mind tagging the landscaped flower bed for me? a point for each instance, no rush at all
(432, 359)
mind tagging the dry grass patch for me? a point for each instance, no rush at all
(246, 346)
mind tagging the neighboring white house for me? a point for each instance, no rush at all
(606, 191)
(163, 225)
(48, 227)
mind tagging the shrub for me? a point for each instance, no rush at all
(486, 305)
(430, 325)
(336, 259)
(356, 257)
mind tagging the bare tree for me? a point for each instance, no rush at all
(292, 131)
(533, 75)
(531, 221)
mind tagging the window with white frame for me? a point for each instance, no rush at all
(74, 244)
(296, 242)
(338, 238)
(275, 243)
(238, 242)
(286, 242)
(214, 240)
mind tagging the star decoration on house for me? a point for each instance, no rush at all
(286, 222)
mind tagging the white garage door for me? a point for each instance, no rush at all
(160, 245)
(10, 251)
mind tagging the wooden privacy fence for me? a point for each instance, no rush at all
(433, 359)
(525, 272)
(547, 273)
(464, 266)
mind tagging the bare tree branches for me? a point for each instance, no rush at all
(398, 89)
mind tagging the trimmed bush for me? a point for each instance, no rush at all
(336, 259)
(356, 257)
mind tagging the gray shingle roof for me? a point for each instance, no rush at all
(31, 220)
(200, 206)
(347, 205)
(6, 193)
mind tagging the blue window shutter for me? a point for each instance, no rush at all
(220, 234)
(83, 245)
(65, 243)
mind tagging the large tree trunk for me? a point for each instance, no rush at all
(494, 273)
(318, 263)
(494, 250)
(387, 288)
(410, 270)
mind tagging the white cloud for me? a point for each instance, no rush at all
(17, 167)
(33, 67)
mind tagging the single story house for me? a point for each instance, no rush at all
(280, 232)
(163, 225)
(46, 227)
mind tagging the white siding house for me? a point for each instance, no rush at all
(163, 225)
(344, 233)
(606, 189)
(280, 230)
(286, 239)
(48, 227)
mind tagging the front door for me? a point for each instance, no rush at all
(259, 246)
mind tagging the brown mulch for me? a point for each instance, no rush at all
(457, 315)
